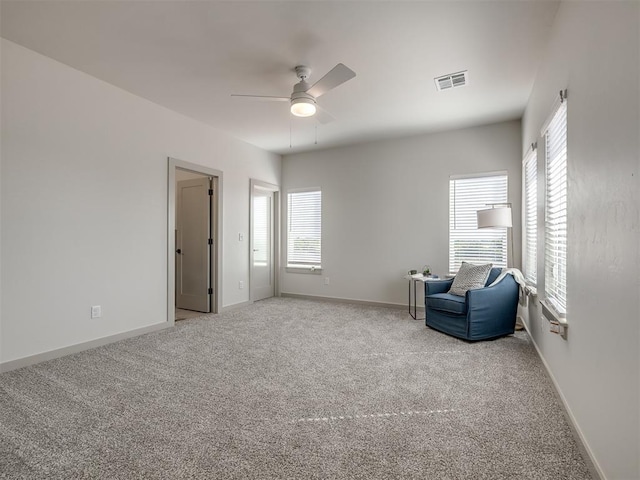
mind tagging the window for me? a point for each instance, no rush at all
(530, 169)
(555, 214)
(304, 229)
(261, 230)
(467, 195)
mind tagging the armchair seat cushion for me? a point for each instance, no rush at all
(445, 302)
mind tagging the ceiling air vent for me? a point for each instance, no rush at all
(452, 80)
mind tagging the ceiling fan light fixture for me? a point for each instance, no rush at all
(303, 107)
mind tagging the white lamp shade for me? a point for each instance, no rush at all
(303, 107)
(499, 217)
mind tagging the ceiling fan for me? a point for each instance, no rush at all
(303, 98)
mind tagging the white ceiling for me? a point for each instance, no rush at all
(191, 56)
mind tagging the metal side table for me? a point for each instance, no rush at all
(413, 280)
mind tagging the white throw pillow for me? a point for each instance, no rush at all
(470, 277)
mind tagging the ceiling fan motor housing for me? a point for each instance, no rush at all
(302, 103)
(300, 91)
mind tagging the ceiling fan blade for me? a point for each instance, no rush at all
(336, 76)
(263, 98)
(323, 116)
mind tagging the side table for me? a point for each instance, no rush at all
(414, 279)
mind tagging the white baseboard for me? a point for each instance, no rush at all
(347, 300)
(61, 352)
(583, 445)
(235, 306)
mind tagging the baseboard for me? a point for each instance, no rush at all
(235, 306)
(64, 351)
(583, 445)
(346, 300)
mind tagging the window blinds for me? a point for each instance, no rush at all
(555, 219)
(530, 169)
(304, 229)
(467, 195)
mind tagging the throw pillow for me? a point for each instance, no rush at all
(469, 277)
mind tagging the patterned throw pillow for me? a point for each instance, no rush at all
(470, 277)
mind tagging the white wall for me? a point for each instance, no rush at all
(594, 52)
(84, 204)
(385, 206)
(1, 269)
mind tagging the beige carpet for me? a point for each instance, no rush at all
(289, 388)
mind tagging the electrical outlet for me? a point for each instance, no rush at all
(96, 311)
(240, 284)
(326, 280)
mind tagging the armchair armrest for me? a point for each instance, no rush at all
(504, 289)
(437, 286)
(493, 309)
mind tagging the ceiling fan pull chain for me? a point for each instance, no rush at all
(289, 132)
(316, 125)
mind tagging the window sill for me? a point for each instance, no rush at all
(549, 311)
(557, 321)
(304, 269)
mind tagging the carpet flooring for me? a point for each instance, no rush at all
(292, 389)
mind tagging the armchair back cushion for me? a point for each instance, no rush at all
(493, 274)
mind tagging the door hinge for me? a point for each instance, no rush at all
(211, 192)
(210, 242)
(210, 291)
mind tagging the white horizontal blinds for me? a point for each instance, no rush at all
(530, 168)
(467, 195)
(555, 219)
(304, 228)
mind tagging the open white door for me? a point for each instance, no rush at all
(192, 244)
(262, 244)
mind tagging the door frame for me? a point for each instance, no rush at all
(215, 267)
(275, 189)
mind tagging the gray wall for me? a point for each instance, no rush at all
(386, 206)
(84, 204)
(594, 52)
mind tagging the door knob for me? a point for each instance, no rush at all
(179, 251)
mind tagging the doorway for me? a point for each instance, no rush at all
(264, 251)
(193, 241)
(194, 227)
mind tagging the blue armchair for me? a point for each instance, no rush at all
(484, 313)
